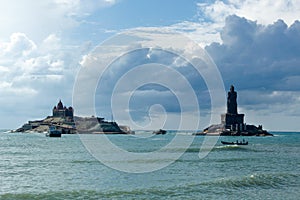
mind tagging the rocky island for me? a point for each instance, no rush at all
(232, 123)
(63, 119)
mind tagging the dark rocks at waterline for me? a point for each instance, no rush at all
(220, 130)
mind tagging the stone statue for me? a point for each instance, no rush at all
(231, 101)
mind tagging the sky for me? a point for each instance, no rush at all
(254, 45)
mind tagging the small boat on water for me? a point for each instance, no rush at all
(53, 132)
(160, 132)
(235, 143)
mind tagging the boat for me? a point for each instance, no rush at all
(160, 132)
(53, 132)
(235, 143)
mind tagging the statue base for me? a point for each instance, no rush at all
(233, 121)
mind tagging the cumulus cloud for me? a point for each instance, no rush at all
(19, 45)
(32, 72)
(263, 61)
(203, 33)
(268, 53)
(211, 16)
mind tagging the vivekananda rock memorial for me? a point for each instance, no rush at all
(232, 123)
(64, 120)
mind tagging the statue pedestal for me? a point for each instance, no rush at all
(234, 122)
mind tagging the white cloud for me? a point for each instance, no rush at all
(211, 16)
(7, 89)
(264, 12)
(19, 45)
(51, 43)
(4, 69)
(203, 33)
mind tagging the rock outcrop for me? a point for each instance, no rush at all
(77, 125)
(63, 120)
(232, 123)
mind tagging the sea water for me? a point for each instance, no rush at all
(33, 166)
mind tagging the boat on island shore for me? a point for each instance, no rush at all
(160, 132)
(53, 132)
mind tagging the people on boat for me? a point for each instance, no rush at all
(237, 142)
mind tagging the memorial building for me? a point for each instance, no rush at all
(62, 111)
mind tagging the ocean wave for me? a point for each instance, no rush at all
(230, 186)
(224, 160)
(159, 139)
(249, 148)
(194, 149)
(264, 181)
(84, 161)
(152, 193)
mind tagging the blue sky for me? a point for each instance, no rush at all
(255, 45)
